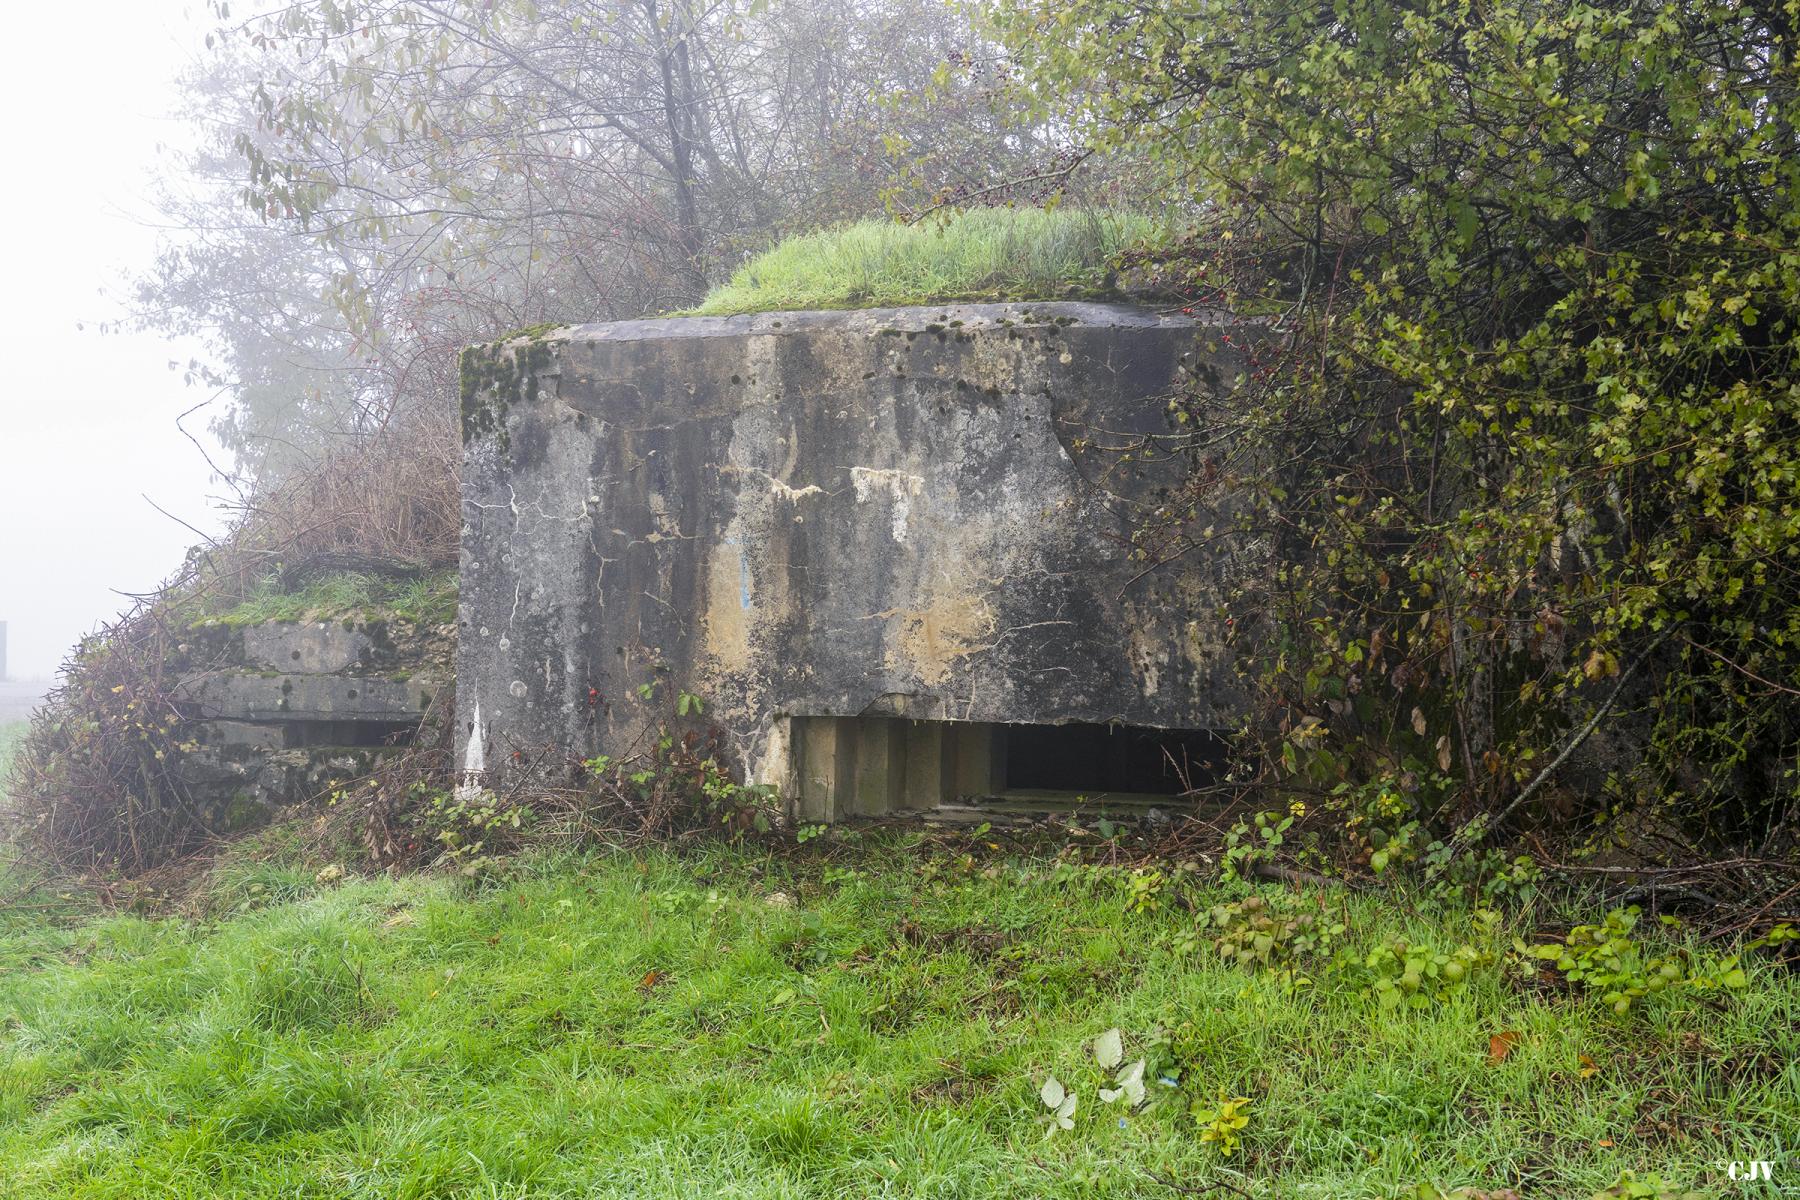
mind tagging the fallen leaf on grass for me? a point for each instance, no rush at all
(1060, 1102)
(1109, 1049)
(1501, 1045)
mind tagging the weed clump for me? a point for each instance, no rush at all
(306, 981)
(425, 599)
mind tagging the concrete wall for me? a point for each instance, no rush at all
(919, 513)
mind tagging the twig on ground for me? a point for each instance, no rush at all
(1202, 1190)
(1296, 875)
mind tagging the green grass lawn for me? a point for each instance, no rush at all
(12, 733)
(983, 254)
(870, 1020)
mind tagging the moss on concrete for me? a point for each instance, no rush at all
(494, 374)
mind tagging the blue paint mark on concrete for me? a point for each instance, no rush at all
(743, 571)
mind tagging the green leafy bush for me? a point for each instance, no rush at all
(1609, 960)
(1511, 422)
(1415, 974)
(1258, 934)
(472, 826)
(683, 781)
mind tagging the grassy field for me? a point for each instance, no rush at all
(11, 734)
(984, 254)
(875, 1023)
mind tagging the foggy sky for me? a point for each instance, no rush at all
(87, 422)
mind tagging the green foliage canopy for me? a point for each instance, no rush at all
(1530, 400)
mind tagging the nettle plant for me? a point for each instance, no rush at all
(1223, 1121)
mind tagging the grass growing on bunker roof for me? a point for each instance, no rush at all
(984, 254)
(876, 1020)
(430, 599)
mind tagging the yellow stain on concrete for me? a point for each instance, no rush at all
(931, 641)
(730, 607)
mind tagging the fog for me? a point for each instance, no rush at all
(87, 420)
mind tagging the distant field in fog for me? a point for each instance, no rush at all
(18, 697)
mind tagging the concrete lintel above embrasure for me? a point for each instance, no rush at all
(312, 648)
(239, 696)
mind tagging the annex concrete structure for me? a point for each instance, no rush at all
(282, 711)
(890, 552)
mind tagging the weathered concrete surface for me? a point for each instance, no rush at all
(238, 696)
(916, 512)
(240, 788)
(367, 645)
(281, 711)
(314, 648)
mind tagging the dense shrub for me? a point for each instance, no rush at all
(1518, 428)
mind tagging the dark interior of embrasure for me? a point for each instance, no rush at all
(1109, 759)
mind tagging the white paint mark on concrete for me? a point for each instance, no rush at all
(778, 488)
(793, 495)
(899, 484)
(474, 760)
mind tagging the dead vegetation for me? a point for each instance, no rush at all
(96, 783)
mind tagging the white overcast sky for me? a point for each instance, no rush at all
(87, 421)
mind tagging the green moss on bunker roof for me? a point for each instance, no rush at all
(985, 254)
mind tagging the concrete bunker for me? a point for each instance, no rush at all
(889, 550)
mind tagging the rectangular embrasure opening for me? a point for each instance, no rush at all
(299, 734)
(1109, 759)
(873, 765)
